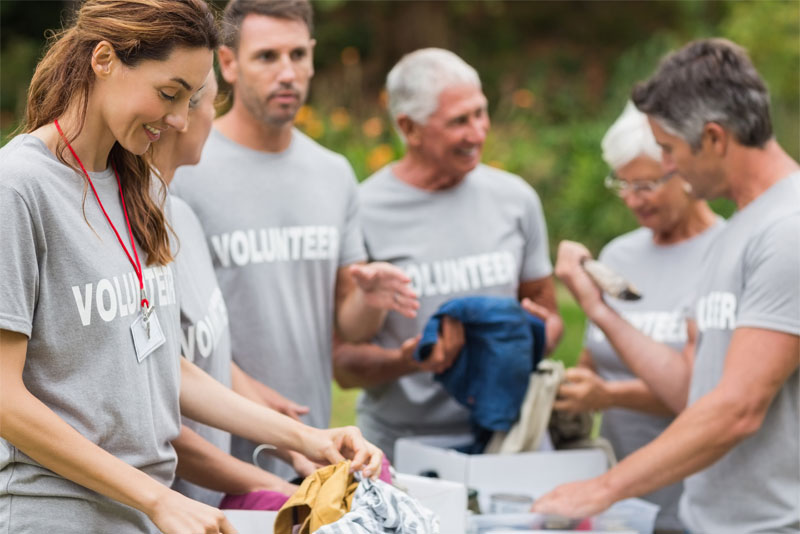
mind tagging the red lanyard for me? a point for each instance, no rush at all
(137, 267)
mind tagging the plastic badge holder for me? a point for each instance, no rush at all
(631, 516)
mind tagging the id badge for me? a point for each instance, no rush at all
(144, 341)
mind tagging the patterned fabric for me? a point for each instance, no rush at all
(379, 507)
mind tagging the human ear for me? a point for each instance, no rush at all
(227, 63)
(104, 59)
(411, 130)
(716, 138)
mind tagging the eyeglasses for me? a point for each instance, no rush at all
(620, 187)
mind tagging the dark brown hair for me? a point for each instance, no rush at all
(237, 10)
(138, 30)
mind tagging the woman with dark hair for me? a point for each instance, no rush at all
(90, 380)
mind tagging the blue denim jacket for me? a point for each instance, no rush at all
(502, 347)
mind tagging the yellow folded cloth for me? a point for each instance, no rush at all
(323, 498)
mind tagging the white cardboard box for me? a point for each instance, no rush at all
(446, 499)
(251, 522)
(529, 473)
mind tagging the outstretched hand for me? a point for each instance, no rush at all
(576, 500)
(385, 287)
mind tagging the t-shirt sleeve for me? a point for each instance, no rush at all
(536, 253)
(770, 298)
(19, 270)
(352, 243)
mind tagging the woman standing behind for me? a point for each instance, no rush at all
(90, 376)
(664, 259)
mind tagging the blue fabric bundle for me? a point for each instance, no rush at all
(503, 345)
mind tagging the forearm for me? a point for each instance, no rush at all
(36, 430)
(207, 401)
(242, 384)
(366, 365)
(699, 436)
(664, 370)
(635, 395)
(356, 321)
(203, 464)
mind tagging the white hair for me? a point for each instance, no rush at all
(628, 138)
(415, 83)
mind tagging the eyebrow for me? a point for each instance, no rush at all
(183, 83)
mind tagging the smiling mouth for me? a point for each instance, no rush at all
(152, 133)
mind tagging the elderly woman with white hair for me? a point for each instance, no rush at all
(664, 260)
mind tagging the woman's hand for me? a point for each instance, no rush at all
(582, 391)
(174, 513)
(336, 444)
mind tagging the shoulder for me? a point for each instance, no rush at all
(28, 166)
(311, 151)
(376, 182)
(503, 185)
(634, 241)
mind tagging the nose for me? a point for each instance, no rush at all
(667, 163)
(179, 121)
(631, 199)
(286, 73)
(479, 127)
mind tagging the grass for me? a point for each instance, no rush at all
(343, 411)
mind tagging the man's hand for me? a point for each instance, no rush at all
(582, 391)
(577, 500)
(385, 287)
(447, 347)
(570, 272)
(553, 325)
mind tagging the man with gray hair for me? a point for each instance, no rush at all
(737, 441)
(457, 228)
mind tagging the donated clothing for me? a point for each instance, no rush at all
(323, 497)
(379, 507)
(68, 286)
(206, 340)
(483, 236)
(503, 344)
(667, 277)
(537, 408)
(279, 226)
(752, 282)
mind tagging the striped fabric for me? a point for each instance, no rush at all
(379, 507)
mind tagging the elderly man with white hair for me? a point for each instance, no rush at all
(664, 260)
(457, 228)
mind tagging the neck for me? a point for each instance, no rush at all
(92, 145)
(698, 219)
(240, 126)
(752, 171)
(420, 173)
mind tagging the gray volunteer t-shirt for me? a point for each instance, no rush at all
(482, 237)
(667, 276)
(753, 281)
(206, 339)
(70, 288)
(279, 226)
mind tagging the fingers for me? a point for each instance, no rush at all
(373, 470)
(453, 334)
(409, 347)
(226, 528)
(535, 309)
